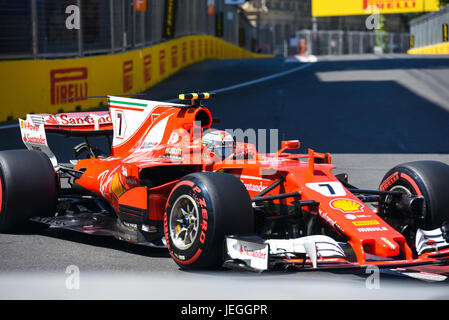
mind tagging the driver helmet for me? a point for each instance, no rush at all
(219, 142)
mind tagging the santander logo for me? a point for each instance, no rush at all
(252, 253)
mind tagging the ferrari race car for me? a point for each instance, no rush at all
(170, 180)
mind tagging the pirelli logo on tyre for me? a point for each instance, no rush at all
(68, 83)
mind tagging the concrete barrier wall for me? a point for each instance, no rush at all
(45, 86)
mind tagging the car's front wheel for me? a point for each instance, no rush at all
(201, 210)
(429, 179)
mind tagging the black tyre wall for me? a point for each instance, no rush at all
(29, 187)
(429, 179)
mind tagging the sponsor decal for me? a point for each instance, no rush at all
(28, 126)
(389, 4)
(32, 135)
(200, 48)
(372, 229)
(184, 52)
(68, 83)
(51, 120)
(162, 62)
(365, 223)
(128, 75)
(199, 198)
(347, 205)
(131, 181)
(117, 187)
(192, 49)
(326, 218)
(389, 181)
(173, 153)
(77, 120)
(254, 187)
(34, 138)
(358, 216)
(174, 56)
(147, 68)
(259, 254)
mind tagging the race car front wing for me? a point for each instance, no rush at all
(322, 252)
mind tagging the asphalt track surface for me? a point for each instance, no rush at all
(371, 112)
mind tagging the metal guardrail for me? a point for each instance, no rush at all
(339, 42)
(428, 29)
(37, 28)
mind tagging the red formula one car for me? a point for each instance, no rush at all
(171, 181)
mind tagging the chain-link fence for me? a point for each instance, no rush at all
(37, 28)
(431, 28)
(349, 42)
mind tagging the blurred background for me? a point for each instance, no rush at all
(36, 28)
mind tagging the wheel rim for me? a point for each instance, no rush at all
(184, 222)
(402, 189)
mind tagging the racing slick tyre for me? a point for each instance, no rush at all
(202, 208)
(28, 188)
(429, 179)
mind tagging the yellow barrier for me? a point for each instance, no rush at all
(327, 8)
(45, 86)
(441, 48)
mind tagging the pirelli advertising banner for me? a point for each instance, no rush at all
(326, 8)
(61, 85)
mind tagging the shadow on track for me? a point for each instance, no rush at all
(107, 242)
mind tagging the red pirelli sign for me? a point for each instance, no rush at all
(68, 83)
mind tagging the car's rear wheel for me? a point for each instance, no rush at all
(28, 188)
(429, 179)
(201, 210)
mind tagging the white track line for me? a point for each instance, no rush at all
(236, 86)
(252, 82)
(9, 126)
(273, 76)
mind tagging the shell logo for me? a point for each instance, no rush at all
(117, 187)
(347, 205)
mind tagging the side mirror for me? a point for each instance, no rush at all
(289, 144)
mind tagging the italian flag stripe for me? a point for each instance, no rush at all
(118, 103)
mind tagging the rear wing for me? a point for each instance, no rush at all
(36, 126)
(76, 123)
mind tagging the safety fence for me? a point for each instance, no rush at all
(339, 42)
(429, 33)
(38, 28)
(59, 85)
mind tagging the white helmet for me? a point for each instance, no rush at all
(219, 142)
